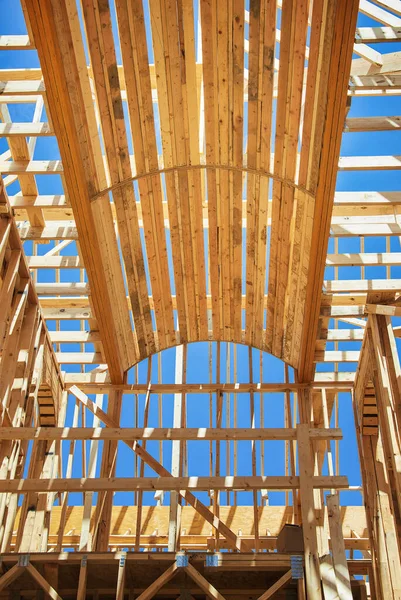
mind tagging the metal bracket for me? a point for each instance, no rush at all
(122, 560)
(297, 566)
(182, 560)
(23, 560)
(212, 560)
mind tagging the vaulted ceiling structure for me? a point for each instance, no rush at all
(199, 148)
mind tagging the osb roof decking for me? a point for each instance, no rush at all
(207, 162)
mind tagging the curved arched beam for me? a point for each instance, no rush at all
(207, 166)
(241, 342)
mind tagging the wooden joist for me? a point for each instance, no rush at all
(373, 35)
(25, 129)
(15, 42)
(126, 484)
(150, 433)
(356, 124)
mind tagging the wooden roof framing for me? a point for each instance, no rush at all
(220, 155)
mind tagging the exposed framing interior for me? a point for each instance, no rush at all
(189, 305)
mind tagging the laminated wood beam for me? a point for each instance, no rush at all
(94, 223)
(340, 66)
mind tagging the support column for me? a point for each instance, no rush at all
(176, 456)
(309, 522)
(105, 499)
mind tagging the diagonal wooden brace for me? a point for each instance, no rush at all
(232, 539)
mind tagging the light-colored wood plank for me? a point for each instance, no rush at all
(343, 581)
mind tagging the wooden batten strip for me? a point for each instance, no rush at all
(100, 42)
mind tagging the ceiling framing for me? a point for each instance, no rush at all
(200, 173)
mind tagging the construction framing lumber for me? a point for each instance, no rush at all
(179, 276)
(55, 61)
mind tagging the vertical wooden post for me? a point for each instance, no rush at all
(81, 593)
(176, 456)
(105, 500)
(121, 576)
(338, 549)
(309, 523)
